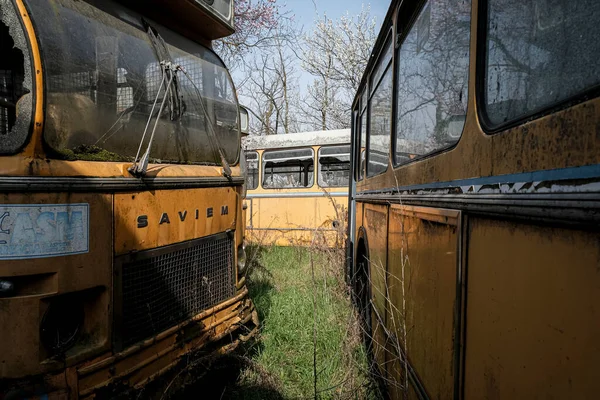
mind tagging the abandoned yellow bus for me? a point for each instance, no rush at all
(121, 256)
(474, 222)
(297, 187)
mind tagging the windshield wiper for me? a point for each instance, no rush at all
(162, 54)
(140, 166)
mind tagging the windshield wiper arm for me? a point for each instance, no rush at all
(140, 166)
(162, 54)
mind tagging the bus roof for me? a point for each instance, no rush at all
(301, 139)
(197, 20)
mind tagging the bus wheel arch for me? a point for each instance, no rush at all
(361, 281)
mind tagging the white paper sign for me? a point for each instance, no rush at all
(43, 230)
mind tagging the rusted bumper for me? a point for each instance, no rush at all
(214, 332)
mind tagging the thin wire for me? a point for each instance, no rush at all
(162, 107)
(139, 88)
(212, 135)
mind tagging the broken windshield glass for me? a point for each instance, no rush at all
(16, 101)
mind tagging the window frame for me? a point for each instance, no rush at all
(319, 164)
(258, 180)
(371, 90)
(263, 168)
(25, 137)
(359, 175)
(354, 137)
(415, 13)
(481, 81)
(363, 118)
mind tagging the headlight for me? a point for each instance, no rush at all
(61, 324)
(241, 260)
(7, 288)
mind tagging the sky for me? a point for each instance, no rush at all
(305, 11)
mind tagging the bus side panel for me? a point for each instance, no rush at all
(284, 221)
(533, 311)
(376, 222)
(330, 216)
(358, 225)
(252, 220)
(422, 270)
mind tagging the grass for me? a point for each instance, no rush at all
(291, 306)
(307, 324)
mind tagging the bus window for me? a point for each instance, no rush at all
(539, 53)
(363, 145)
(380, 110)
(432, 87)
(288, 169)
(223, 7)
(362, 164)
(334, 166)
(16, 104)
(378, 160)
(252, 166)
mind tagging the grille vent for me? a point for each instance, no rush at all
(163, 287)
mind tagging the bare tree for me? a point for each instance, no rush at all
(319, 107)
(336, 54)
(256, 23)
(264, 68)
(264, 55)
(271, 84)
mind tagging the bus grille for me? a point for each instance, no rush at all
(164, 287)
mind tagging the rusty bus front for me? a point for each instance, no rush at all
(121, 229)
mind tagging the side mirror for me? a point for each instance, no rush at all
(244, 121)
(454, 129)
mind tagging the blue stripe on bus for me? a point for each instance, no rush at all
(585, 172)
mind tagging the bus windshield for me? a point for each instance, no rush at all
(103, 76)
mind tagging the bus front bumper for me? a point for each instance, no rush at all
(156, 361)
